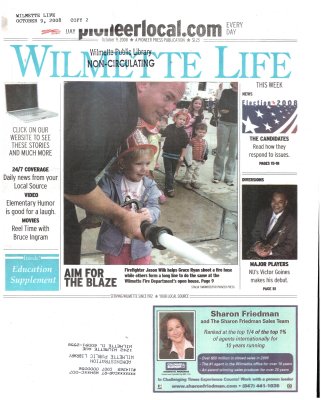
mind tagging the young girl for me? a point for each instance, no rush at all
(196, 113)
(127, 180)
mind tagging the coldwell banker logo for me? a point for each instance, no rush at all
(150, 30)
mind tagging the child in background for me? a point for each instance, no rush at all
(174, 148)
(160, 126)
(199, 152)
(127, 180)
(162, 123)
(154, 138)
(196, 113)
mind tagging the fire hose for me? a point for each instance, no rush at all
(162, 238)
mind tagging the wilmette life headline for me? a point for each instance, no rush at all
(225, 62)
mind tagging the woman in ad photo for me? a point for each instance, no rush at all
(177, 338)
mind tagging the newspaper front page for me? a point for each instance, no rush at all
(221, 295)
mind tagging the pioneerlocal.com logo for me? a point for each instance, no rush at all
(151, 30)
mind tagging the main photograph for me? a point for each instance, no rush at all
(150, 173)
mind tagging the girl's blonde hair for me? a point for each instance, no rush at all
(128, 158)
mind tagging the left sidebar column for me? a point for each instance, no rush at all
(31, 196)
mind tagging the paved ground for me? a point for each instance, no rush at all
(206, 218)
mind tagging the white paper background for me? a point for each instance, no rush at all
(35, 331)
